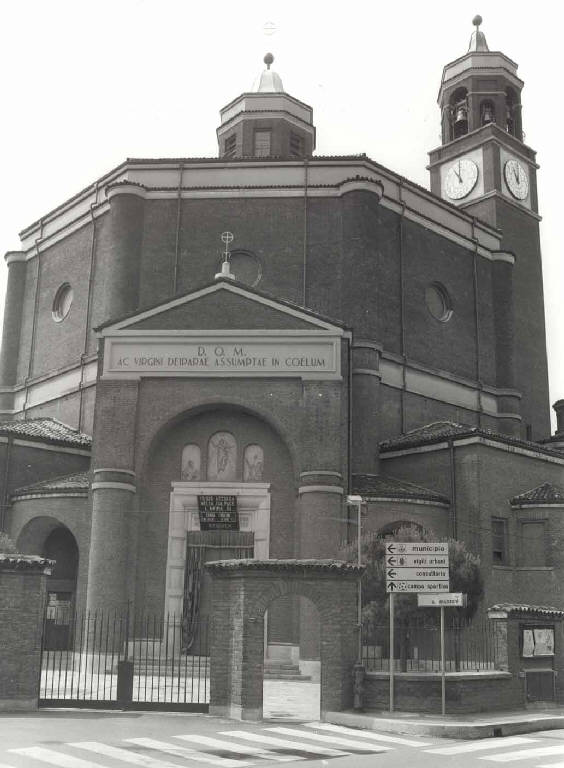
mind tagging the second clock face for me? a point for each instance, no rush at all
(461, 179)
(516, 179)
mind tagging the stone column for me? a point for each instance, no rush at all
(113, 495)
(127, 206)
(23, 584)
(365, 407)
(321, 532)
(12, 325)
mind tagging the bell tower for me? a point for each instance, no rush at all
(484, 167)
(482, 152)
(266, 122)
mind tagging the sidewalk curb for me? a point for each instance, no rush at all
(485, 728)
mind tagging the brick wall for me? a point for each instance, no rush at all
(352, 263)
(22, 600)
(483, 692)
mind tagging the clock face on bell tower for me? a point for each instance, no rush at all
(461, 178)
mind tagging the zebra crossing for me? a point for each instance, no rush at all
(503, 751)
(238, 748)
(234, 748)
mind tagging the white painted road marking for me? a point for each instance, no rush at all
(367, 734)
(186, 752)
(475, 746)
(298, 746)
(55, 758)
(329, 738)
(122, 754)
(525, 754)
(240, 749)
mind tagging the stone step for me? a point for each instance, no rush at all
(297, 678)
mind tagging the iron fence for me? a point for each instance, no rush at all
(123, 660)
(470, 646)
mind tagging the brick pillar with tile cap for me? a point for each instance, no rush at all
(23, 586)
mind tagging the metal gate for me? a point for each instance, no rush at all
(123, 661)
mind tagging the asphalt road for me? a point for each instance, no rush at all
(90, 739)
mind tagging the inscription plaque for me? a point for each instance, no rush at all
(218, 513)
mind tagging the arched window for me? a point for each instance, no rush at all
(222, 457)
(459, 113)
(390, 530)
(191, 462)
(253, 464)
(512, 113)
(487, 113)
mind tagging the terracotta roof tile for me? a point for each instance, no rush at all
(391, 488)
(283, 565)
(439, 431)
(546, 610)
(78, 482)
(547, 493)
(48, 430)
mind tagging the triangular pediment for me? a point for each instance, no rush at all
(223, 306)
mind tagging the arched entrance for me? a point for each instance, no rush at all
(291, 675)
(218, 453)
(242, 590)
(49, 538)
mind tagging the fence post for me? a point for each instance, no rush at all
(125, 670)
(501, 653)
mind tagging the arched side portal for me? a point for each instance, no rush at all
(242, 590)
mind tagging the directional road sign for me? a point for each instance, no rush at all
(417, 567)
(448, 600)
(413, 561)
(427, 574)
(416, 548)
(417, 586)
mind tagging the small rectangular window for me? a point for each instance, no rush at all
(533, 547)
(296, 145)
(262, 144)
(230, 146)
(499, 541)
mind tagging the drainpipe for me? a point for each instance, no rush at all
(177, 241)
(305, 231)
(5, 494)
(402, 312)
(350, 430)
(453, 487)
(88, 305)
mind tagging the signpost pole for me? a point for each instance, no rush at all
(443, 676)
(391, 654)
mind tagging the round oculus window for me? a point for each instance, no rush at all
(245, 267)
(438, 302)
(62, 302)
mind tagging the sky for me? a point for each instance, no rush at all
(85, 85)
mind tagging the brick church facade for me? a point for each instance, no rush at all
(362, 335)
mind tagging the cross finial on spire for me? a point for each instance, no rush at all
(227, 237)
